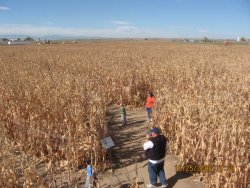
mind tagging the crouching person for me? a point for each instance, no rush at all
(155, 151)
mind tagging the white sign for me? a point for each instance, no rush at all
(107, 143)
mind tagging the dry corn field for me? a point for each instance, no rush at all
(54, 101)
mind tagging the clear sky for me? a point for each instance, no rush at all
(126, 18)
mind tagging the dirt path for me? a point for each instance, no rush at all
(127, 156)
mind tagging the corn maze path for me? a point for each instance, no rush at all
(127, 156)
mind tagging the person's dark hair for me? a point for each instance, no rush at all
(151, 94)
(88, 161)
(155, 130)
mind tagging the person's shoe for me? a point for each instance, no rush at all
(150, 186)
(164, 185)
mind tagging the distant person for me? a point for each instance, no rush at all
(95, 180)
(150, 104)
(226, 43)
(155, 151)
(89, 174)
(123, 114)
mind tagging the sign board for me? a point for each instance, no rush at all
(107, 143)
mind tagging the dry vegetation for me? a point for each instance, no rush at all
(54, 102)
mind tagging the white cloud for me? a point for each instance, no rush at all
(119, 22)
(4, 8)
(175, 27)
(47, 30)
(124, 29)
(49, 23)
(202, 30)
(31, 30)
(117, 31)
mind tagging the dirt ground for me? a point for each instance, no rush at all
(127, 156)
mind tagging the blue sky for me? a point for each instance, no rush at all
(126, 18)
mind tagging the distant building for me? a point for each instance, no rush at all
(238, 39)
(17, 42)
(21, 43)
(48, 42)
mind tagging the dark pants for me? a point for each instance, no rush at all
(150, 111)
(124, 119)
(155, 170)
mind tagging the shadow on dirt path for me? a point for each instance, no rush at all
(128, 139)
(128, 160)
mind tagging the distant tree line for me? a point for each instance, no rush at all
(205, 39)
(243, 39)
(5, 39)
(28, 39)
(18, 39)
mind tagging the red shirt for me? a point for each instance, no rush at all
(150, 102)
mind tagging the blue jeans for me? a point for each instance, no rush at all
(124, 119)
(150, 111)
(155, 170)
(87, 182)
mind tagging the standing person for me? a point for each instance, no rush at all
(89, 174)
(150, 103)
(95, 180)
(155, 150)
(123, 114)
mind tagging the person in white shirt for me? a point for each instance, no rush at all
(155, 150)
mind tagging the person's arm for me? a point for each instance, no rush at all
(148, 145)
(154, 103)
(122, 110)
(146, 101)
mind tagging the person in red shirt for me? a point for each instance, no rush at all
(150, 103)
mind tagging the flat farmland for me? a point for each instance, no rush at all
(54, 101)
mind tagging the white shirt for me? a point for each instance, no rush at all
(149, 145)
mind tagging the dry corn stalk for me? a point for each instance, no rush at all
(54, 101)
